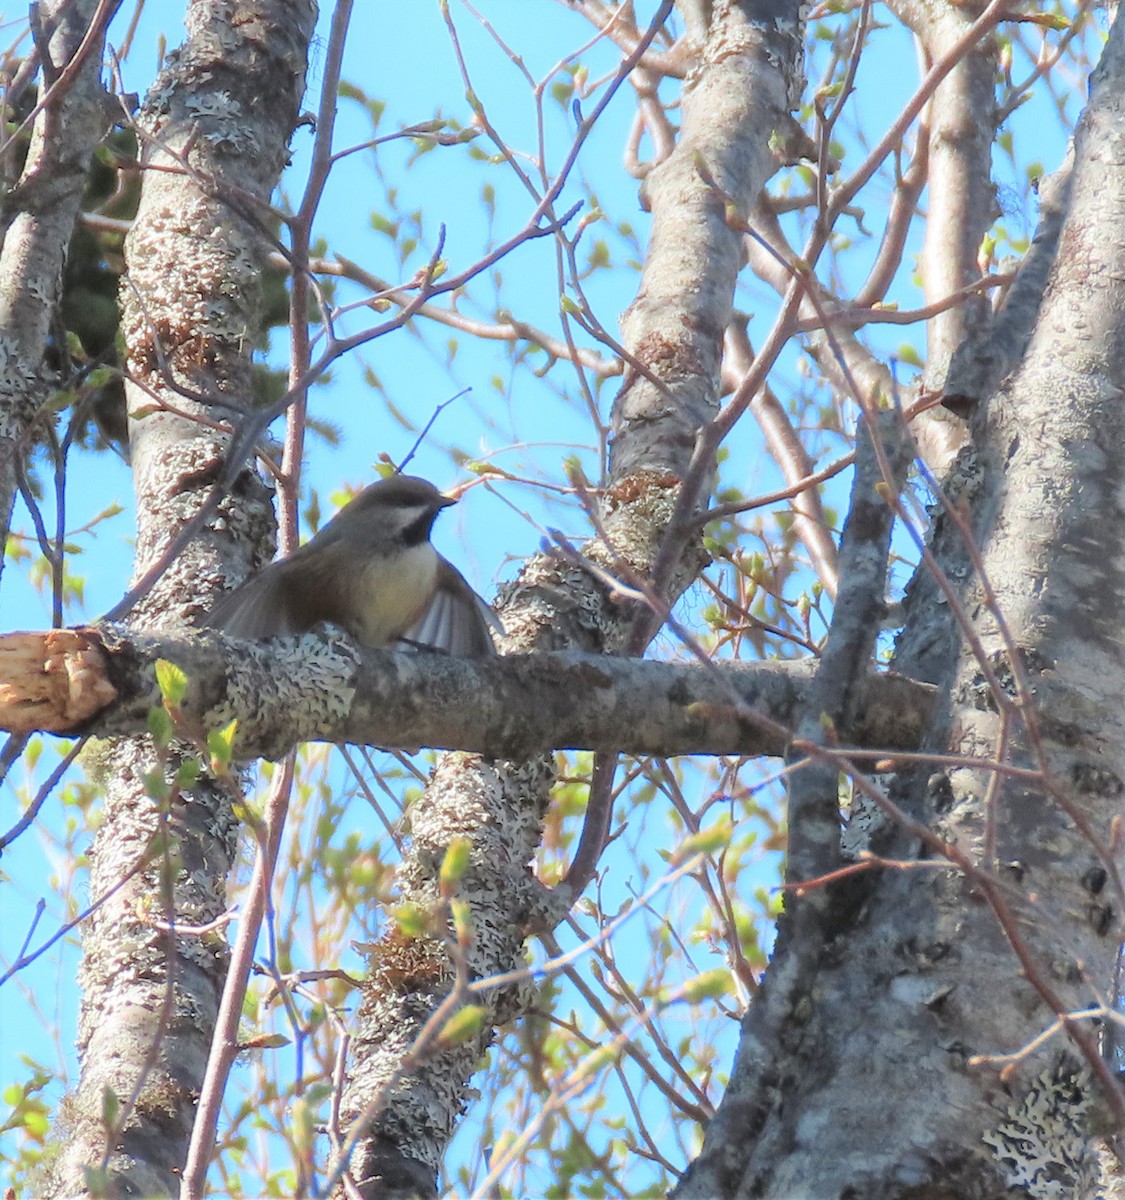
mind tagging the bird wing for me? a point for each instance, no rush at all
(258, 608)
(456, 620)
(315, 584)
(290, 596)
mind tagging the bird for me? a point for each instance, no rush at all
(372, 571)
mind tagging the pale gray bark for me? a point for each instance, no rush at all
(961, 120)
(76, 112)
(864, 1083)
(960, 124)
(737, 93)
(322, 687)
(194, 254)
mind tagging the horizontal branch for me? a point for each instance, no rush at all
(321, 687)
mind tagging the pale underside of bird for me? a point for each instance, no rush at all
(372, 571)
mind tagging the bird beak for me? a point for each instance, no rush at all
(446, 501)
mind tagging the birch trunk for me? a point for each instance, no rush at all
(214, 153)
(74, 113)
(740, 90)
(882, 1074)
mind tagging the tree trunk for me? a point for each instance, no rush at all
(742, 88)
(882, 1073)
(214, 153)
(74, 113)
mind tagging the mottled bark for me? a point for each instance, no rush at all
(75, 112)
(1007, 914)
(317, 688)
(189, 312)
(737, 94)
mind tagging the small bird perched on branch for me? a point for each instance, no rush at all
(372, 571)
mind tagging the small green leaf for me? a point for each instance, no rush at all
(708, 986)
(908, 355)
(462, 916)
(172, 682)
(36, 1123)
(599, 254)
(100, 376)
(111, 1106)
(411, 920)
(220, 744)
(188, 772)
(454, 865)
(707, 841)
(160, 726)
(463, 1025)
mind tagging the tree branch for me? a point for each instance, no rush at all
(321, 687)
